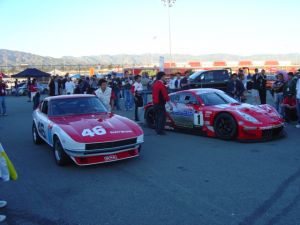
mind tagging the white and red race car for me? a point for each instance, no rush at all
(79, 127)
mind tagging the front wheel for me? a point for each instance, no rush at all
(35, 135)
(60, 156)
(225, 126)
(150, 117)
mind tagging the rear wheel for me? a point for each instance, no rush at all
(60, 156)
(35, 135)
(150, 117)
(225, 126)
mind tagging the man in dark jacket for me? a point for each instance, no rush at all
(259, 84)
(160, 98)
(235, 88)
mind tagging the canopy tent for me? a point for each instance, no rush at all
(57, 72)
(76, 76)
(32, 72)
(3, 75)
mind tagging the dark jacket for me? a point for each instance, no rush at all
(259, 81)
(289, 88)
(235, 88)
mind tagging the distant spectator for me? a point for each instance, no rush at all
(289, 99)
(105, 94)
(28, 83)
(145, 82)
(51, 87)
(33, 89)
(116, 84)
(184, 81)
(171, 84)
(177, 81)
(298, 97)
(259, 84)
(93, 85)
(128, 97)
(138, 98)
(69, 86)
(235, 88)
(3, 87)
(278, 92)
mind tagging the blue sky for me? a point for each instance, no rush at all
(93, 27)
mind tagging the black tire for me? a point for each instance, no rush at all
(150, 117)
(35, 135)
(60, 156)
(225, 126)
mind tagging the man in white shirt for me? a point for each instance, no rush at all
(171, 84)
(105, 94)
(137, 93)
(298, 98)
(69, 86)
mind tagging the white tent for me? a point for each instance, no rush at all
(57, 72)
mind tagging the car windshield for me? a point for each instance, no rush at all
(76, 106)
(195, 75)
(216, 98)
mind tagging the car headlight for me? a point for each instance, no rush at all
(140, 139)
(249, 118)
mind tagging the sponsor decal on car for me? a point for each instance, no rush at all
(121, 131)
(110, 158)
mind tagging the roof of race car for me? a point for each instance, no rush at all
(200, 91)
(69, 96)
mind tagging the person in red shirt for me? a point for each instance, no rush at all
(160, 98)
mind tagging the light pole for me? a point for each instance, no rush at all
(169, 4)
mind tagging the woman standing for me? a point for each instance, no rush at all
(138, 96)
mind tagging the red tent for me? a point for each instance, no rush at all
(220, 63)
(245, 63)
(195, 64)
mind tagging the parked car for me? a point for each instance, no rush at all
(43, 89)
(209, 79)
(213, 113)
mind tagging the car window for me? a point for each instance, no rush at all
(76, 106)
(209, 76)
(45, 107)
(175, 98)
(214, 98)
(221, 75)
(188, 99)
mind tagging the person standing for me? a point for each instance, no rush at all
(235, 88)
(51, 87)
(184, 81)
(145, 82)
(28, 91)
(289, 98)
(93, 85)
(128, 97)
(105, 94)
(278, 93)
(259, 86)
(160, 98)
(69, 86)
(177, 82)
(171, 84)
(33, 89)
(115, 85)
(298, 98)
(3, 87)
(138, 98)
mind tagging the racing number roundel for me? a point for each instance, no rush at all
(98, 130)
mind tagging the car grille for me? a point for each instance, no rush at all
(113, 144)
(274, 132)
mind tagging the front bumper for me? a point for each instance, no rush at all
(97, 156)
(261, 132)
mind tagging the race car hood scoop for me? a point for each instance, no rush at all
(98, 128)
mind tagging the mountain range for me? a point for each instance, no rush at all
(13, 58)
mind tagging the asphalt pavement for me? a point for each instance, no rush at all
(179, 178)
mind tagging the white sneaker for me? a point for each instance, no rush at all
(298, 126)
(2, 218)
(3, 204)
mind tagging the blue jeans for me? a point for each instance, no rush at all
(145, 98)
(278, 98)
(128, 99)
(117, 99)
(2, 105)
(298, 110)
